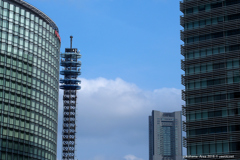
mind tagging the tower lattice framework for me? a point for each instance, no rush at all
(70, 85)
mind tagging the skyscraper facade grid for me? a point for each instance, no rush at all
(211, 63)
(29, 74)
(165, 136)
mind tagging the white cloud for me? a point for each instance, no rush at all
(131, 157)
(112, 118)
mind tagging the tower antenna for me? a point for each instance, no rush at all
(71, 37)
(70, 85)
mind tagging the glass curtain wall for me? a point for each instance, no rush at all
(211, 61)
(29, 73)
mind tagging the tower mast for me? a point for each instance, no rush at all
(70, 85)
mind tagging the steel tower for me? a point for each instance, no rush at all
(70, 85)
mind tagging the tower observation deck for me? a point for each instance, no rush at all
(70, 85)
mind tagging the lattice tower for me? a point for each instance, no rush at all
(70, 85)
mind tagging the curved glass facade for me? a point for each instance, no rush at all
(29, 74)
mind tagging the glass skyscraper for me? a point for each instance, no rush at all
(211, 63)
(165, 136)
(29, 76)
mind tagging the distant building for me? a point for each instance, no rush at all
(165, 136)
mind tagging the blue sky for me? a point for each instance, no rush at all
(130, 66)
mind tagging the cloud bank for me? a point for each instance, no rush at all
(112, 118)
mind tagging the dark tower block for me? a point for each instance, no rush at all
(211, 63)
(70, 85)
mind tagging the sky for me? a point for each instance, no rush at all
(130, 66)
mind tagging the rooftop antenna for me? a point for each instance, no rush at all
(71, 37)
